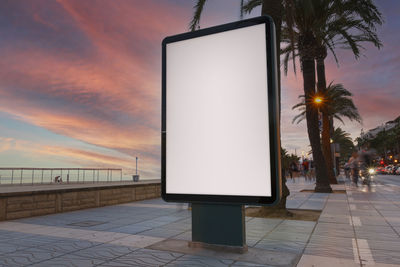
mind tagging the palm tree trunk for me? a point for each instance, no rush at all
(322, 181)
(326, 129)
(274, 8)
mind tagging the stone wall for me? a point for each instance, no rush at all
(26, 204)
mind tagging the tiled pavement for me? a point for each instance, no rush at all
(355, 229)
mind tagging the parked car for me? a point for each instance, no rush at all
(388, 169)
(398, 171)
(380, 170)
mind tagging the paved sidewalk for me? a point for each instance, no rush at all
(355, 229)
(360, 228)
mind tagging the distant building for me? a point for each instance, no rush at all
(384, 127)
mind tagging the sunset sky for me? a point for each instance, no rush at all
(80, 81)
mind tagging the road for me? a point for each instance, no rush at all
(388, 179)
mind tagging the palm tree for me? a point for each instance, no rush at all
(275, 9)
(304, 19)
(348, 24)
(344, 23)
(345, 142)
(287, 160)
(337, 104)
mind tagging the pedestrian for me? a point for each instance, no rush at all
(312, 169)
(305, 165)
(292, 168)
(347, 170)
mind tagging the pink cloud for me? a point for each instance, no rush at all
(110, 97)
(106, 91)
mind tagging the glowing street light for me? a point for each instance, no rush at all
(318, 100)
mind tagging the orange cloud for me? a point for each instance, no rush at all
(6, 144)
(110, 96)
(149, 167)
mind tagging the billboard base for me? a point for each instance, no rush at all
(220, 227)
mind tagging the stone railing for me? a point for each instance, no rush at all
(24, 201)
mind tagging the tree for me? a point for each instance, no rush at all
(345, 142)
(385, 140)
(287, 160)
(343, 23)
(305, 43)
(336, 103)
(348, 24)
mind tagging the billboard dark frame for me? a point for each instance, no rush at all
(273, 110)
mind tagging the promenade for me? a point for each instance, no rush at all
(360, 227)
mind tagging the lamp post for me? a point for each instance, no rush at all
(136, 165)
(334, 155)
(136, 175)
(318, 100)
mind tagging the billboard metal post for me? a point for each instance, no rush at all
(215, 225)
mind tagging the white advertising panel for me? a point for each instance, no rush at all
(217, 115)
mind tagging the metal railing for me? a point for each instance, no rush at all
(10, 176)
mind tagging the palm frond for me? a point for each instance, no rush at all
(250, 5)
(241, 9)
(299, 118)
(198, 9)
(339, 103)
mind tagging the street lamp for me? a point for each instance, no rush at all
(318, 100)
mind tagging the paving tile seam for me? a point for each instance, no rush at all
(305, 200)
(264, 236)
(311, 234)
(365, 252)
(173, 236)
(356, 252)
(357, 258)
(171, 261)
(116, 258)
(102, 236)
(61, 255)
(389, 199)
(138, 222)
(398, 233)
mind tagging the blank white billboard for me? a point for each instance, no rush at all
(217, 136)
